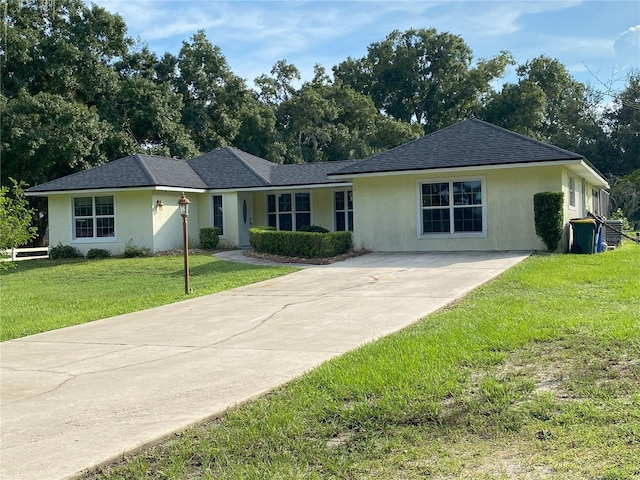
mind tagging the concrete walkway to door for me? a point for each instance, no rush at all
(80, 396)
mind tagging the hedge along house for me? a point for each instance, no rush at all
(134, 200)
(466, 187)
(469, 186)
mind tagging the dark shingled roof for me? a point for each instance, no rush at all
(226, 168)
(469, 143)
(232, 168)
(132, 171)
(307, 173)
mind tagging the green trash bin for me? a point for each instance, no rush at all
(584, 235)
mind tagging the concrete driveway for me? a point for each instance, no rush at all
(80, 396)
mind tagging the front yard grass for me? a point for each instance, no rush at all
(42, 295)
(533, 376)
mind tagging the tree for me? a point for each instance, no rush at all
(147, 116)
(277, 88)
(548, 104)
(15, 217)
(423, 76)
(45, 136)
(519, 108)
(328, 120)
(623, 120)
(56, 76)
(63, 48)
(211, 94)
(625, 195)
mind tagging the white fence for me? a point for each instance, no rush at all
(16, 254)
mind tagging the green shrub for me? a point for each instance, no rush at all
(131, 251)
(98, 253)
(619, 215)
(209, 237)
(548, 217)
(299, 244)
(313, 229)
(64, 251)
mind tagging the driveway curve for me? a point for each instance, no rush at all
(80, 396)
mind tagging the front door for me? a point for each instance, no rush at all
(245, 220)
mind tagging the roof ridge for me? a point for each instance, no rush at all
(236, 154)
(324, 162)
(524, 137)
(414, 141)
(145, 168)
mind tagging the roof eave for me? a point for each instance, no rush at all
(271, 188)
(162, 188)
(579, 161)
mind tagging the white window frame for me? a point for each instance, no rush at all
(451, 206)
(572, 192)
(346, 210)
(293, 211)
(213, 213)
(94, 217)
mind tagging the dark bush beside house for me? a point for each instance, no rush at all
(313, 229)
(209, 237)
(299, 244)
(96, 253)
(131, 251)
(547, 208)
(60, 252)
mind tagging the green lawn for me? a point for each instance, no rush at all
(42, 295)
(535, 375)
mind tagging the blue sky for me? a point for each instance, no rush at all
(600, 38)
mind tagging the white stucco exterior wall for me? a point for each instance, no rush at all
(386, 210)
(139, 221)
(133, 222)
(167, 221)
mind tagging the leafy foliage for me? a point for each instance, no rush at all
(313, 229)
(625, 195)
(299, 244)
(422, 76)
(15, 216)
(45, 136)
(132, 251)
(96, 253)
(61, 252)
(209, 237)
(77, 91)
(548, 219)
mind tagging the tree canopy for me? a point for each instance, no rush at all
(78, 92)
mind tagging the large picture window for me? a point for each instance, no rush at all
(289, 211)
(217, 214)
(93, 217)
(452, 207)
(343, 204)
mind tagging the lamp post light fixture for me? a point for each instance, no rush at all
(184, 212)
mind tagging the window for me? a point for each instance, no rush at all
(572, 191)
(287, 211)
(303, 210)
(93, 217)
(217, 213)
(595, 201)
(343, 202)
(452, 207)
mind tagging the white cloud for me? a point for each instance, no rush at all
(627, 48)
(253, 35)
